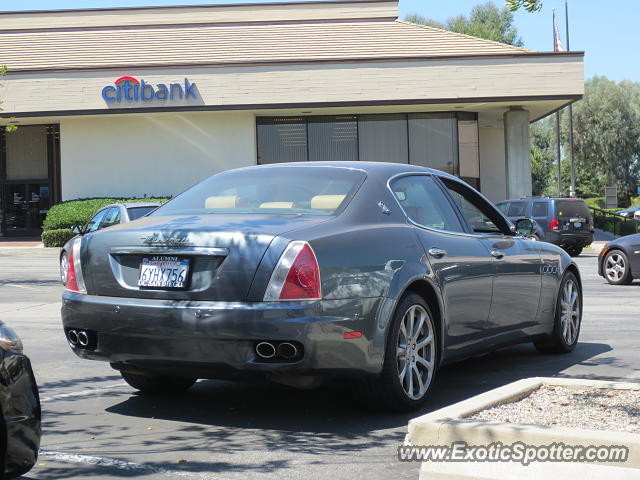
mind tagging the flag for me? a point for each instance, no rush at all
(557, 43)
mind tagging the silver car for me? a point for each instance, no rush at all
(376, 272)
(112, 214)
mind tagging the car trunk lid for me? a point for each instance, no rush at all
(221, 253)
(573, 216)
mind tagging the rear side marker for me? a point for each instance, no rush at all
(350, 335)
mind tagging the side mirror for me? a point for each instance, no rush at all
(525, 226)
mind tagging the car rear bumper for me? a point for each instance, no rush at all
(569, 239)
(21, 414)
(218, 339)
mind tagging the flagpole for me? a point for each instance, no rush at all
(558, 152)
(572, 191)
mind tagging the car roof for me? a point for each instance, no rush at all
(389, 168)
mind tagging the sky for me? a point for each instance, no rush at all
(605, 31)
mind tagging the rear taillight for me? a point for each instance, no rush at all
(75, 280)
(555, 224)
(296, 276)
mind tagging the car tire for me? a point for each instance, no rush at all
(390, 391)
(64, 264)
(616, 269)
(535, 237)
(157, 383)
(568, 318)
(574, 251)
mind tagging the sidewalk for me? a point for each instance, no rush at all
(20, 242)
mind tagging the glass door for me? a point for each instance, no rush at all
(26, 166)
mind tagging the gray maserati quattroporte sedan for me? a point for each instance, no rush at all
(377, 272)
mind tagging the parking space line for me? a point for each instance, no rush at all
(81, 393)
(119, 464)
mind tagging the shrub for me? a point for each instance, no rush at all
(78, 212)
(56, 238)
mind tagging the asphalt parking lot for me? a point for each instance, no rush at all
(95, 426)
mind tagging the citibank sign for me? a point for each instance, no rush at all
(129, 89)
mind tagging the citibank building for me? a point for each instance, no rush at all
(147, 101)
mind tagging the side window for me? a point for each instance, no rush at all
(539, 209)
(517, 209)
(480, 215)
(425, 203)
(94, 223)
(112, 217)
(503, 207)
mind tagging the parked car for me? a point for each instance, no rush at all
(630, 213)
(566, 222)
(19, 408)
(619, 260)
(377, 272)
(113, 214)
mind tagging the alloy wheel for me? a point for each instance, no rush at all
(615, 267)
(570, 312)
(415, 352)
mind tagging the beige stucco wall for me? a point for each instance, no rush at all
(306, 84)
(160, 154)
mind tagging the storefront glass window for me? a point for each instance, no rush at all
(383, 138)
(433, 141)
(445, 141)
(281, 139)
(333, 138)
(468, 146)
(27, 153)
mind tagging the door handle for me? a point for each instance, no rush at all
(497, 254)
(437, 252)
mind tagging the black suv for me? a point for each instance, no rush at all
(566, 222)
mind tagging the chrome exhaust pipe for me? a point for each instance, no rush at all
(287, 350)
(265, 350)
(83, 338)
(73, 337)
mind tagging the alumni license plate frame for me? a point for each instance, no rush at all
(166, 272)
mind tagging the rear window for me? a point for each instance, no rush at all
(138, 212)
(517, 209)
(571, 208)
(539, 209)
(276, 190)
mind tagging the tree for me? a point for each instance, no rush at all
(485, 21)
(543, 156)
(421, 20)
(607, 134)
(529, 5)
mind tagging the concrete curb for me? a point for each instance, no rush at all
(449, 424)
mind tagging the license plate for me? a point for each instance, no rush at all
(578, 224)
(163, 272)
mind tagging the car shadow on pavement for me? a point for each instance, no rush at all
(226, 418)
(330, 409)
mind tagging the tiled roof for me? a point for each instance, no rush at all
(219, 44)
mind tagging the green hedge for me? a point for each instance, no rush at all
(56, 238)
(79, 212)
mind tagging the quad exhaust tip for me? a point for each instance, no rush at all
(83, 338)
(266, 350)
(287, 350)
(73, 337)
